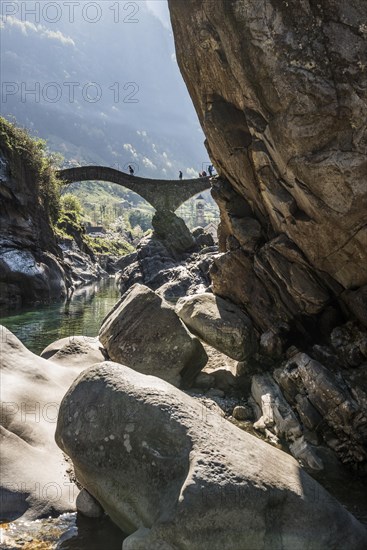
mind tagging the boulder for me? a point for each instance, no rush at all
(219, 323)
(34, 481)
(143, 332)
(243, 412)
(88, 505)
(278, 418)
(175, 478)
(172, 277)
(75, 350)
(202, 238)
(274, 287)
(172, 232)
(343, 413)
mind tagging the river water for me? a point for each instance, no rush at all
(37, 327)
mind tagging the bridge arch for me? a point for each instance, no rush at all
(161, 194)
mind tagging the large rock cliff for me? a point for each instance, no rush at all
(280, 88)
(30, 261)
(35, 267)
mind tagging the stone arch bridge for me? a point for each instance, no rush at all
(161, 194)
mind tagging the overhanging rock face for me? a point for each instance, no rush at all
(161, 194)
(280, 89)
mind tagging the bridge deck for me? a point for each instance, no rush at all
(161, 194)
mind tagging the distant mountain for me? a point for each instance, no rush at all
(137, 111)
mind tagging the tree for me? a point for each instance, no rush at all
(144, 220)
(71, 204)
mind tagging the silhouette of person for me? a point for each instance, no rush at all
(210, 170)
(204, 174)
(131, 170)
(180, 175)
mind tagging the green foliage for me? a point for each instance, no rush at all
(69, 221)
(105, 245)
(143, 219)
(104, 202)
(33, 155)
(71, 204)
(56, 159)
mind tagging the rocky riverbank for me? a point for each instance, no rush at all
(35, 266)
(121, 415)
(172, 261)
(30, 261)
(240, 391)
(310, 389)
(223, 403)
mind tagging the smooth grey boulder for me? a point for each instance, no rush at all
(143, 332)
(33, 481)
(76, 350)
(88, 505)
(177, 478)
(219, 323)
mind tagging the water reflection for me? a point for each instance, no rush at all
(39, 326)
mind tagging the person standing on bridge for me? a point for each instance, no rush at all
(131, 170)
(180, 175)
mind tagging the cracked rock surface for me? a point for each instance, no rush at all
(280, 91)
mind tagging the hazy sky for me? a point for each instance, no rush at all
(144, 114)
(160, 9)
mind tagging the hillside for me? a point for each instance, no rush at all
(114, 105)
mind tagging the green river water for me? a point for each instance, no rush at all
(37, 327)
